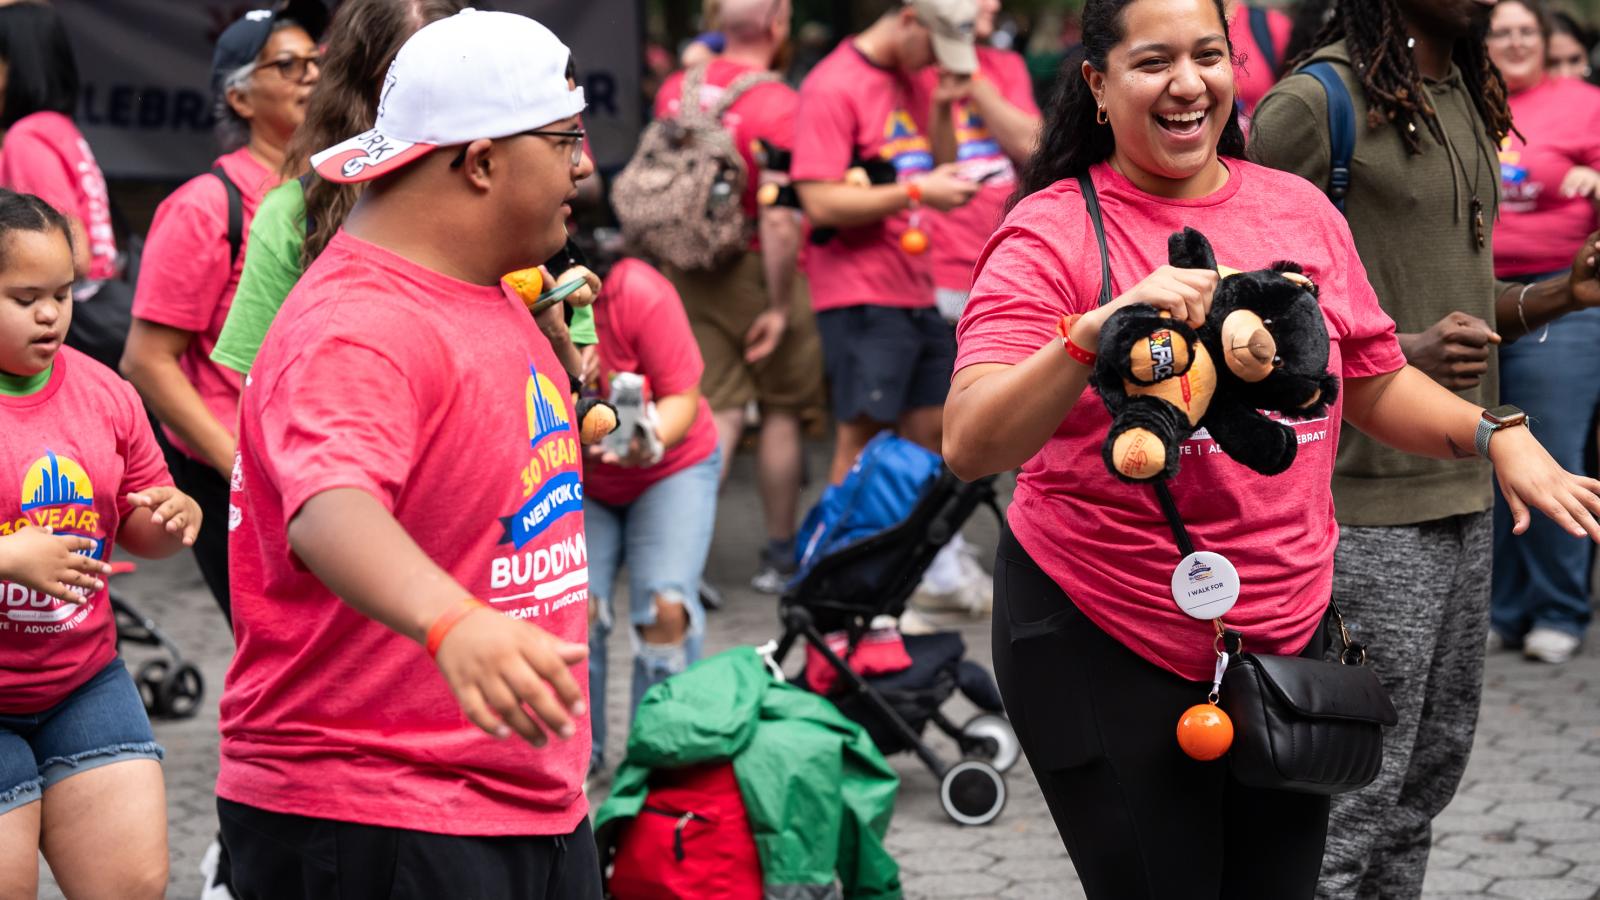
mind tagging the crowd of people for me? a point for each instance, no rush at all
(326, 332)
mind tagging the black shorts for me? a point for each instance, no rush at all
(274, 855)
(883, 361)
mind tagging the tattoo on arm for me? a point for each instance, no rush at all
(1455, 449)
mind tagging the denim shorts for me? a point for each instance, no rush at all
(100, 723)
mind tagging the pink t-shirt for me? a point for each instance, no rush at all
(186, 279)
(71, 452)
(442, 400)
(956, 237)
(764, 112)
(851, 109)
(1252, 74)
(1106, 542)
(643, 329)
(1539, 230)
(45, 154)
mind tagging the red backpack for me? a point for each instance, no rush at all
(692, 839)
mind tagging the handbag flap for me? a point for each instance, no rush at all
(1317, 688)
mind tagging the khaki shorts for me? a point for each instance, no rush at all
(722, 305)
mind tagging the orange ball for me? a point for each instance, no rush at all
(914, 241)
(767, 194)
(1205, 732)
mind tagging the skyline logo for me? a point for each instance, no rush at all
(53, 480)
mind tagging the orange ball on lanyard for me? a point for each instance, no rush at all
(1205, 732)
(914, 241)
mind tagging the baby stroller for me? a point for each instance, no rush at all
(170, 686)
(873, 576)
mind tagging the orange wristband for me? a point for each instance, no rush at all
(914, 193)
(449, 619)
(1064, 328)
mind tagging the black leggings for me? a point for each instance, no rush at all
(1098, 723)
(210, 490)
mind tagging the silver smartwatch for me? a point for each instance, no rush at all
(1506, 416)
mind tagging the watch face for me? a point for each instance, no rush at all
(1504, 415)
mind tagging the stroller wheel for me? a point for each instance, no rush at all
(972, 792)
(989, 737)
(152, 680)
(180, 695)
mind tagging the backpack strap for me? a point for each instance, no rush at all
(305, 185)
(1091, 202)
(734, 91)
(1341, 129)
(694, 79)
(1261, 30)
(235, 214)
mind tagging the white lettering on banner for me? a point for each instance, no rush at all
(146, 73)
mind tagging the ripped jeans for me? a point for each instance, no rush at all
(663, 538)
(101, 722)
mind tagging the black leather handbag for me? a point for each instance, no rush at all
(1304, 724)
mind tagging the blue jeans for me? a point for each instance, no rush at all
(664, 537)
(101, 722)
(1541, 579)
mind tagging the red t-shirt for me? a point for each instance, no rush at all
(442, 400)
(72, 453)
(643, 330)
(1105, 541)
(851, 109)
(1539, 230)
(1252, 76)
(46, 155)
(186, 279)
(764, 112)
(956, 237)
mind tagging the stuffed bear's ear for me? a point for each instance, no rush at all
(1189, 249)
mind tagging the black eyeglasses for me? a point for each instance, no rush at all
(292, 69)
(575, 135)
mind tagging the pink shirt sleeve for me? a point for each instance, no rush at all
(186, 269)
(658, 330)
(1366, 335)
(825, 142)
(773, 118)
(30, 165)
(143, 465)
(1023, 288)
(342, 416)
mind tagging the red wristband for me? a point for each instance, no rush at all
(449, 619)
(1064, 328)
(914, 193)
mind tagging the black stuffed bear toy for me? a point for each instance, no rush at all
(1161, 379)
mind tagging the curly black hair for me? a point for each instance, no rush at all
(1374, 32)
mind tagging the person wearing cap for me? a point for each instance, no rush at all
(262, 73)
(407, 707)
(886, 350)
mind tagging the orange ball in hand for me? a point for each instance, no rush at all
(1205, 732)
(914, 241)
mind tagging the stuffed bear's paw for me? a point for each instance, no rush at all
(1137, 454)
(596, 419)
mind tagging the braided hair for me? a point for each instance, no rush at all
(1374, 32)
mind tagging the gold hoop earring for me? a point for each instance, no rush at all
(1100, 115)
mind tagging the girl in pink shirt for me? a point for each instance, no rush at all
(1094, 657)
(80, 774)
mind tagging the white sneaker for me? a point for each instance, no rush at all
(1549, 645)
(208, 870)
(955, 583)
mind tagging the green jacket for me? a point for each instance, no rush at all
(818, 792)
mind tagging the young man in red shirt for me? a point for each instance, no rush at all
(407, 708)
(752, 318)
(886, 350)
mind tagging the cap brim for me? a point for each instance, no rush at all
(366, 156)
(955, 54)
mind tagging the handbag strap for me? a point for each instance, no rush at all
(1354, 653)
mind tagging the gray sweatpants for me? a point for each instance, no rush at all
(1418, 595)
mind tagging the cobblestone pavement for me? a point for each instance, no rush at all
(1526, 823)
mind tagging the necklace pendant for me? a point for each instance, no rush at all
(1477, 221)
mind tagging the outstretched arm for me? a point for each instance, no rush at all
(1408, 411)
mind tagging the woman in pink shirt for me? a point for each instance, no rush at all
(1549, 188)
(1094, 657)
(263, 70)
(43, 153)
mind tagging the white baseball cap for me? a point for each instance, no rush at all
(474, 75)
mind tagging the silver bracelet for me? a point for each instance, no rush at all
(1523, 316)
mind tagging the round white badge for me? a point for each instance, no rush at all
(1205, 585)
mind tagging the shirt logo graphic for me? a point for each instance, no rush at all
(905, 146)
(55, 481)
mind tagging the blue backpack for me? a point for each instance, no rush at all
(1341, 129)
(882, 488)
